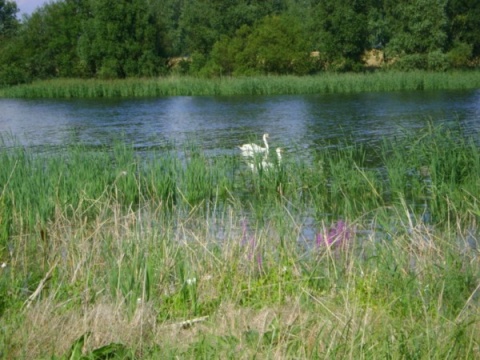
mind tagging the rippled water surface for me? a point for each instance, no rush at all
(218, 124)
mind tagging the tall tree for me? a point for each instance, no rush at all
(203, 22)
(8, 19)
(45, 45)
(464, 26)
(121, 38)
(341, 31)
(170, 12)
(10, 49)
(278, 45)
(379, 31)
(275, 45)
(50, 37)
(418, 26)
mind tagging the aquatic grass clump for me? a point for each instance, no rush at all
(35, 185)
(436, 166)
(259, 85)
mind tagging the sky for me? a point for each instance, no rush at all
(27, 6)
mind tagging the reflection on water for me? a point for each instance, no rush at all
(218, 124)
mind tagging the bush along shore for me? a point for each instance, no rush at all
(259, 85)
(106, 254)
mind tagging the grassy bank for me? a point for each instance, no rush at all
(262, 85)
(187, 256)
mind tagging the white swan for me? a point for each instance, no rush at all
(250, 150)
(265, 164)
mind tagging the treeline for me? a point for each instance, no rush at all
(144, 38)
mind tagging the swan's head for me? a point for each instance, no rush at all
(265, 136)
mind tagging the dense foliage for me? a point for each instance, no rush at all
(8, 21)
(143, 38)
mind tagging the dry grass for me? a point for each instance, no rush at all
(273, 312)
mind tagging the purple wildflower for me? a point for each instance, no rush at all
(254, 253)
(252, 245)
(338, 235)
(259, 260)
(244, 231)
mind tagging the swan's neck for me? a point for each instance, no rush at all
(265, 141)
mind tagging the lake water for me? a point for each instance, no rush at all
(218, 124)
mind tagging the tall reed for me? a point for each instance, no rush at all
(434, 172)
(261, 85)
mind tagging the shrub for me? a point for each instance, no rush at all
(411, 62)
(437, 61)
(460, 54)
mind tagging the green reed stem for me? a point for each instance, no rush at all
(261, 85)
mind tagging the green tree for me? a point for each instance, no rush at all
(276, 45)
(379, 31)
(227, 54)
(46, 44)
(203, 22)
(198, 29)
(9, 49)
(50, 39)
(120, 39)
(418, 26)
(12, 68)
(419, 34)
(170, 12)
(341, 31)
(464, 27)
(8, 20)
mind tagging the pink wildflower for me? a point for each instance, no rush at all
(338, 235)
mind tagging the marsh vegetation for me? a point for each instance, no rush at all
(256, 85)
(183, 255)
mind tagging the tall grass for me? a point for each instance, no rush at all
(435, 170)
(261, 85)
(105, 253)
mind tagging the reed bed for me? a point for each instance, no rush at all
(261, 85)
(106, 254)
